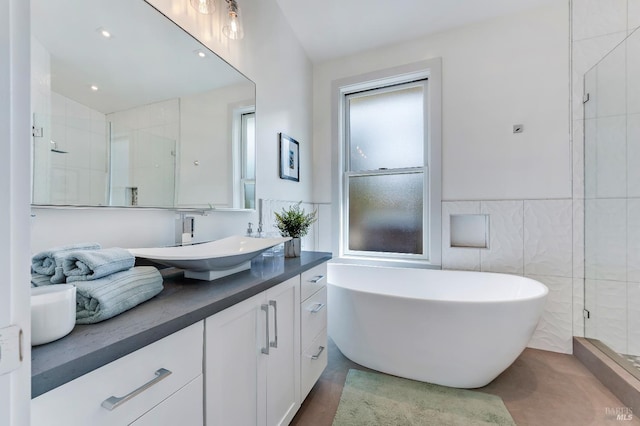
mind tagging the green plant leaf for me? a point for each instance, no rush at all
(295, 221)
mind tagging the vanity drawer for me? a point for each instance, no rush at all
(313, 313)
(166, 366)
(313, 361)
(313, 280)
(183, 408)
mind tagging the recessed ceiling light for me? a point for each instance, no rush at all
(94, 87)
(200, 53)
(104, 32)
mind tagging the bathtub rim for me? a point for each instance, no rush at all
(544, 293)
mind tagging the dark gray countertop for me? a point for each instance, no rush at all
(182, 302)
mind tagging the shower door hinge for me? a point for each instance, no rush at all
(586, 314)
(585, 98)
(36, 131)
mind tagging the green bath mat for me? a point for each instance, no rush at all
(378, 399)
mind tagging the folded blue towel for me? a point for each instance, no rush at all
(101, 299)
(49, 262)
(38, 279)
(84, 265)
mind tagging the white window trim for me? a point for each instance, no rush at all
(238, 154)
(431, 70)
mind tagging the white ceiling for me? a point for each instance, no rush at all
(333, 28)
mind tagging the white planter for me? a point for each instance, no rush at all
(292, 247)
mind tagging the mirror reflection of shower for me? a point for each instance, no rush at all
(54, 148)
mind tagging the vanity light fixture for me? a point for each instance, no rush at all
(232, 23)
(206, 7)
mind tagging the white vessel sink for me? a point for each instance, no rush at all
(215, 259)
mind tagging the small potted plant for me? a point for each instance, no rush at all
(294, 222)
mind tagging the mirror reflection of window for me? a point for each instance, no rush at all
(248, 158)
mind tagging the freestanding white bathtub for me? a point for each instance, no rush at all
(452, 328)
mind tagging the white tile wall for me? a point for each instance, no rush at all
(586, 53)
(611, 151)
(548, 239)
(555, 329)
(633, 318)
(605, 239)
(506, 237)
(578, 307)
(633, 71)
(607, 302)
(633, 18)
(633, 240)
(611, 81)
(633, 155)
(592, 18)
(578, 238)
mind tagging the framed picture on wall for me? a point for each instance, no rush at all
(289, 158)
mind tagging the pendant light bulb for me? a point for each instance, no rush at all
(233, 25)
(206, 7)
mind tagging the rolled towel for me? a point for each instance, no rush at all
(49, 262)
(101, 299)
(86, 265)
(38, 279)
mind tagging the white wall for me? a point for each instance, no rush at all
(505, 71)
(269, 55)
(496, 73)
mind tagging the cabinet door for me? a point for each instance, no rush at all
(234, 385)
(283, 361)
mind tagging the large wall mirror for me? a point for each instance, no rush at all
(129, 110)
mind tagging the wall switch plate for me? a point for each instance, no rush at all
(10, 349)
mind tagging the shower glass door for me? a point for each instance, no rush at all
(612, 202)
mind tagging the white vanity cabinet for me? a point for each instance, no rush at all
(252, 359)
(163, 377)
(313, 326)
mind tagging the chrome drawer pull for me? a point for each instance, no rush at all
(114, 402)
(273, 303)
(265, 350)
(317, 308)
(316, 279)
(316, 356)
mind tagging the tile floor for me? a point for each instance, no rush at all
(540, 389)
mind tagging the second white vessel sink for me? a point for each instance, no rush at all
(212, 260)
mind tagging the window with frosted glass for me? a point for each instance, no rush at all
(385, 213)
(385, 170)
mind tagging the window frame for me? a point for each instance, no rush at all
(431, 72)
(239, 155)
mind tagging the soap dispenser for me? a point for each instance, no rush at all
(249, 230)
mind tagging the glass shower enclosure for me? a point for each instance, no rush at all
(612, 203)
